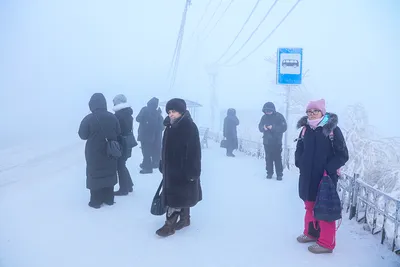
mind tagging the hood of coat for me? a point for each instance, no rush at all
(269, 106)
(121, 106)
(153, 103)
(231, 112)
(327, 128)
(97, 102)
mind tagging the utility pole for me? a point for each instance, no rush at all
(213, 73)
(286, 144)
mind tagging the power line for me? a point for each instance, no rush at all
(251, 35)
(213, 15)
(237, 35)
(269, 35)
(177, 52)
(201, 19)
(222, 15)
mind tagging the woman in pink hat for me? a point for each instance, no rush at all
(320, 148)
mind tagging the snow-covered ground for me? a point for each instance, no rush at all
(244, 219)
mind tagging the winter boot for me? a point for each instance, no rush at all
(121, 193)
(93, 205)
(317, 249)
(169, 226)
(269, 176)
(184, 219)
(279, 177)
(145, 171)
(305, 239)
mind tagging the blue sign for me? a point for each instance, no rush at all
(289, 66)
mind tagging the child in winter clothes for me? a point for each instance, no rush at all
(320, 147)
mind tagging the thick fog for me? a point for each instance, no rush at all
(56, 54)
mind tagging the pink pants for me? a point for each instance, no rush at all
(327, 229)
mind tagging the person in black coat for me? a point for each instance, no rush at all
(101, 170)
(320, 147)
(123, 112)
(150, 124)
(272, 125)
(230, 132)
(181, 167)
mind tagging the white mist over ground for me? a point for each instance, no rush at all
(244, 220)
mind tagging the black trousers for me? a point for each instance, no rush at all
(151, 155)
(273, 155)
(104, 195)
(124, 177)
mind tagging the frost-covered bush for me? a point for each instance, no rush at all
(375, 159)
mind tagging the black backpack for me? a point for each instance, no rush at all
(328, 206)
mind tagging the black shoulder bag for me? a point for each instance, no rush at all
(158, 207)
(113, 147)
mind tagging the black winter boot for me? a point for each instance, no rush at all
(184, 219)
(169, 226)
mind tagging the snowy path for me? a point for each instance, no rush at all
(243, 221)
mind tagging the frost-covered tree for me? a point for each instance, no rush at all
(375, 159)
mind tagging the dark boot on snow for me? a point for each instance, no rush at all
(269, 176)
(279, 177)
(169, 226)
(145, 171)
(94, 205)
(184, 219)
(121, 193)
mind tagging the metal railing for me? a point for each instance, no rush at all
(379, 212)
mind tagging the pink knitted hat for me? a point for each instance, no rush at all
(318, 105)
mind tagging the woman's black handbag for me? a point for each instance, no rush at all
(113, 149)
(223, 143)
(129, 141)
(158, 207)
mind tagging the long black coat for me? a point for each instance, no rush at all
(124, 112)
(316, 152)
(101, 170)
(273, 137)
(230, 129)
(150, 122)
(181, 163)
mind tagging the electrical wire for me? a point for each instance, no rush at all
(237, 35)
(269, 35)
(201, 19)
(213, 15)
(177, 52)
(220, 18)
(252, 34)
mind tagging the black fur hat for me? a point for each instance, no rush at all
(176, 104)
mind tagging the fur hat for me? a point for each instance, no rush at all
(177, 104)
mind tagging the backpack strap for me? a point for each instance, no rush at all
(303, 131)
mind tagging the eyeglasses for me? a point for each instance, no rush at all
(313, 112)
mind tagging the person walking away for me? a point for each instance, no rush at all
(230, 132)
(101, 170)
(180, 166)
(156, 148)
(148, 119)
(320, 147)
(123, 112)
(272, 125)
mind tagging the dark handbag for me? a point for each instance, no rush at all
(223, 144)
(129, 141)
(113, 148)
(327, 206)
(157, 206)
